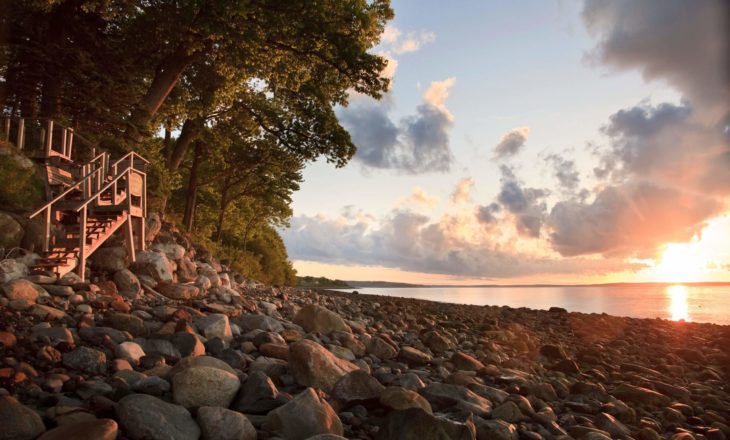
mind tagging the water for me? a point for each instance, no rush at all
(676, 302)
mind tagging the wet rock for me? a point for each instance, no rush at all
(315, 318)
(144, 417)
(417, 424)
(17, 421)
(223, 424)
(313, 366)
(305, 416)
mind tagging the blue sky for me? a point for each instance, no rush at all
(469, 73)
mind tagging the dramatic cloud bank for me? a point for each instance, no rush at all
(416, 144)
(462, 191)
(511, 143)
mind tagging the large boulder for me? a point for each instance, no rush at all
(260, 322)
(127, 284)
(110, 259)
(223, 424)
(313, 366)
(444, 395)
(144, 417)
(381, 348)
(154, 264)
(176, 291)
(314, 318)
(305, 416)
(18, 422)
(399, 398)
(11, 269)
(215, 325)
(258, 395)
(22, 290)
(417, 424)
(641, 396)
(198, 386)
(11, 232)
(356, 387)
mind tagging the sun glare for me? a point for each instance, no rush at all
(681, 262)
(678, 307)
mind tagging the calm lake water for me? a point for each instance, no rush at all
(690, 303)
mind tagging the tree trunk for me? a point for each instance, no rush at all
(189, 132)
(166, 77)
(192, 192)
(222, 210)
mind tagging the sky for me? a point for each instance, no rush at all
(546, 141)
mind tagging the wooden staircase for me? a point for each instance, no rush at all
(88, 201)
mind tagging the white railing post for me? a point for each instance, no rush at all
(21, 133)
(82, 244)
(49, 137)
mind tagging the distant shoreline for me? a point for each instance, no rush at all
(386, 284)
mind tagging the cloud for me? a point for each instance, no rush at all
(511, 143)
(486, 213)
(684, 42)
(527, 204)
(462, 191)
(390, 35)
(410, 241)
(419, 197)
(627, 219)
(565, 172)
(418, 143)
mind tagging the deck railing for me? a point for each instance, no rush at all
(43, 137)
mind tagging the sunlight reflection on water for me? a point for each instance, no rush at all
(678, 306)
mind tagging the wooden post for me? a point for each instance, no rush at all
(49, 138)
(21, 133)
(7, 129)
(141, 233)
(47, 231)
(82, 244)
(70, 141)
(129, 238)
(64, 145)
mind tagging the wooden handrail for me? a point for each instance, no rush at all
(55, 122)
(109, 185)
(132, 154)
(65, 193)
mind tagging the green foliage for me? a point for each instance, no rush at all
(321, 282)
(21, 189)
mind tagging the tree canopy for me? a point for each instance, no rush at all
(229, 99)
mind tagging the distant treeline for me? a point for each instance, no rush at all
(227, 99)
(322, 282)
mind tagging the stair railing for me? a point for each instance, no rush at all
(55, 139)
(82, 184)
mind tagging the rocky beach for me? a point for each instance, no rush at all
(175, 346)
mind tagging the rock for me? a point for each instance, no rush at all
(553, 352)
(86, 359)
(21, 290)
(17, 421)
(128, 323)
(508, 411)
(99, 429)
(223, 424)
(313, 366)
(399, 398)
(204, 386)
(7, 340)
(54, 335)
(356, 388)
(414, 356)
(443, 395)
(153, 227)
(173, 250)
(131, 351)
(11, 232)
(215, 325)
(640, 396)
(258, 395)
(612, 426)
(145, 417)
(187, 344)
(260, 322)
(11, 269)
(127, 284)
(153, 385)
(380, 348)
(495, 430)
(305, 416)
(154, 264)
(417, 424)
(109, 259)
(463, 361)
(437, 342)
(315, 318)
(200, 361)
(181, 292)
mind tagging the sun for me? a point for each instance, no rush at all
(681, 263)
